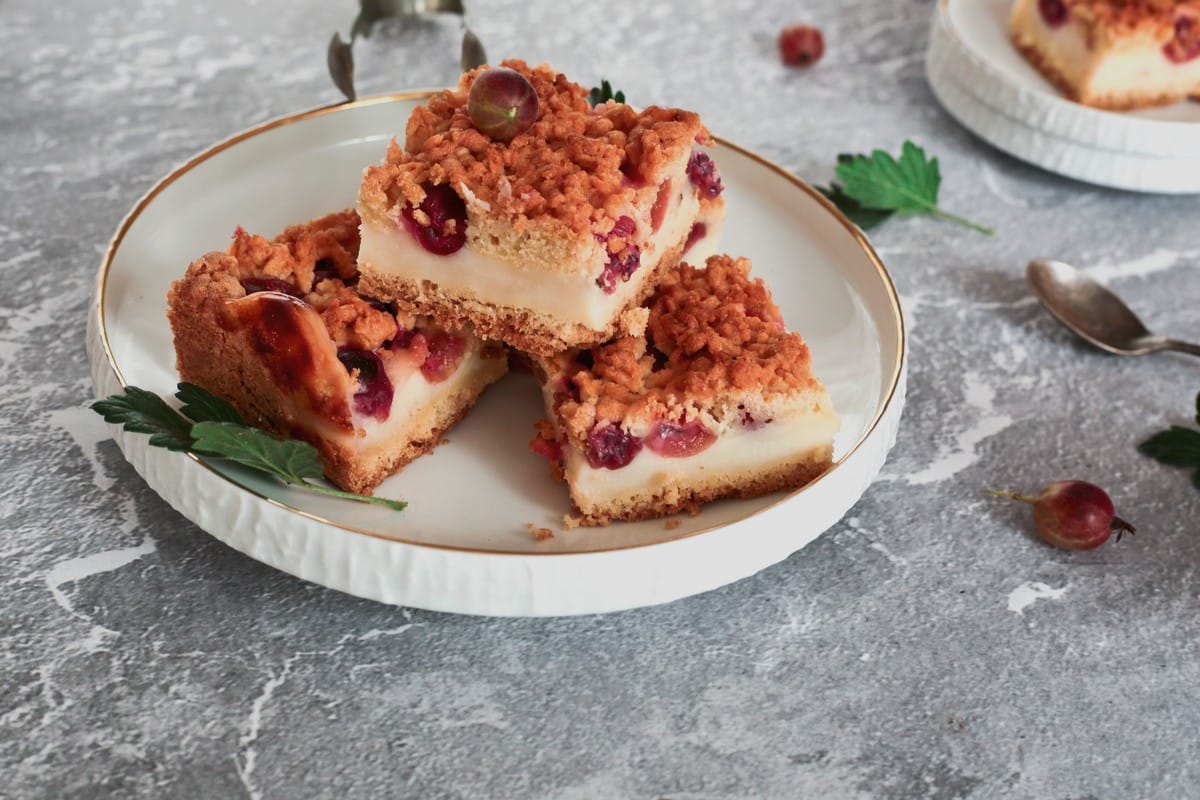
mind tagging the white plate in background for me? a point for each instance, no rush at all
(464, 543)
(981, 79)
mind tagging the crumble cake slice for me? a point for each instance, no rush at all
(716, 399)
(549, 240)
(277, 328)
(1113, 54)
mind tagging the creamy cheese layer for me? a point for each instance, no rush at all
(731, 457)
(569, 296)
(416, 402)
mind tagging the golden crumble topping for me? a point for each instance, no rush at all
(317, 258)
(1118, 18)
(578, 165)
(292, 255)
(714, 336)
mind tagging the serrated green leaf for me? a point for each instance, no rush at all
(908, 185)
(201, 405)
(603, 93)
(865, 218)
(220, 433)
(1176, 447)
(287, 459)
(140, 411)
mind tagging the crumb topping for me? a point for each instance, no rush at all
(1119, 18)
(317, 258)
(578, 165)
(714, 338)
(292, 256)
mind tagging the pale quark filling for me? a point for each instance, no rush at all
(418, 405)
(574, 298)
(736, 454)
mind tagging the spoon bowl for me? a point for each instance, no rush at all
(1088, 308)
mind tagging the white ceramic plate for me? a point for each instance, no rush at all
(981, 80)
(464, 543)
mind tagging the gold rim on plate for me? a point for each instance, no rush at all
(279, 122)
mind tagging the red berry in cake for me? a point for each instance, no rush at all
(1054, 12)
(661, 202)
(679, 440)
(703, 172)
(1074, 515)
(252, 285)
(445, 352)
(374, 395)
(402, 339)
(502, 103)
(751, 422)
(801, 45)
(611, 446)
(622, 262)
(324, 269)
(699, 231)
(1186, 44)
(440, 222)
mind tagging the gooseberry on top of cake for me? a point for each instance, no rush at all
(278, 328)
(716, 399)
(1113, 54)
(546, 236)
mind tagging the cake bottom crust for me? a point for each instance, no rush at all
(523, 329)
(689, 494)
(1126, 101)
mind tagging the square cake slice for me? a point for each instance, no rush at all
(277, 328)
(546, 241)
(716, 399)
(1113, 54)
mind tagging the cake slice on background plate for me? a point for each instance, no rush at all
(277, 328)
(548, 239)
(1113, 54)
(716, 399)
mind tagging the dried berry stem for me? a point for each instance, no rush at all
(1024, 498)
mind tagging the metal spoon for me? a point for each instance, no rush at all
(1087, 307)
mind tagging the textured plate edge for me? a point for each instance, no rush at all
(1102, 128)
(1063, 156)
(497, 584)
(291, 531)
(1048, 111)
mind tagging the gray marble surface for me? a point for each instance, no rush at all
(926, 646)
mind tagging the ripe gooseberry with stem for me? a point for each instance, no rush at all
(1074, 515)
(801, 45)
(502, 103)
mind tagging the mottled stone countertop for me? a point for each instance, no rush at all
(926, 646)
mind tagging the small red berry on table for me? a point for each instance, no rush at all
(801, 45)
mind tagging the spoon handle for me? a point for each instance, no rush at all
(1182, 347)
